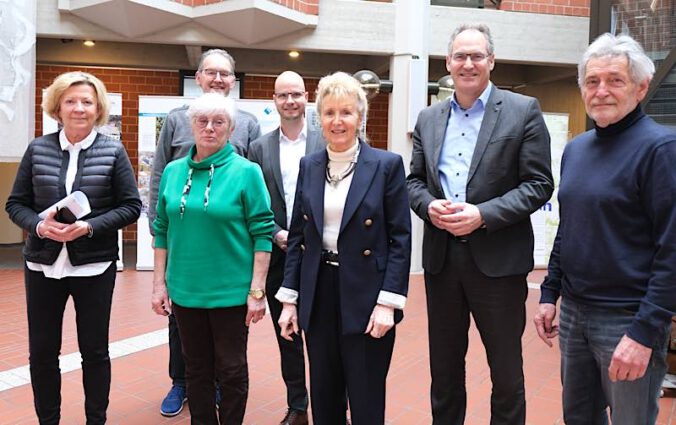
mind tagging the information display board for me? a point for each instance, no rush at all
(546, 219)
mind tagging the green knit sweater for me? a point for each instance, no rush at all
(210, 248)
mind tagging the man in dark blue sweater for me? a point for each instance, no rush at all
(614, 256)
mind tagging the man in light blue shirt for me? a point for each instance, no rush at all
(480, 167)
(456, 153)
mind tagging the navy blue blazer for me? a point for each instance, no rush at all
(374, 243)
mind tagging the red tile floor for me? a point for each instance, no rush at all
(140, 380)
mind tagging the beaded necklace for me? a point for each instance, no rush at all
(333, 180)
(188, 186)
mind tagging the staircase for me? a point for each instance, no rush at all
(662, 106)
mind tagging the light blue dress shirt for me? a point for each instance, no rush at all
(460, 139)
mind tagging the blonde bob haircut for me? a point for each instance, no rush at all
(52, 98)
(342, 85)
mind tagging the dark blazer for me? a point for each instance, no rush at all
(374, 243)
(265, 152)
(509, 178)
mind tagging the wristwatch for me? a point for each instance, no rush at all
(257, 294)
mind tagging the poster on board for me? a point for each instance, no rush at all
(152, 111)
(113, 128)
(546, 220)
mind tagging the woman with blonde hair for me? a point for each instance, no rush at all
(348, 259)
(66, 256)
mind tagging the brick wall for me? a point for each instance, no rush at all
(310, 7)
(376, 128)
(551, 7)
(131, 83)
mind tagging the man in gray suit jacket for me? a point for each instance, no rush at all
(279, 153)
(480, 167)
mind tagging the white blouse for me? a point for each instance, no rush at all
(335, 196)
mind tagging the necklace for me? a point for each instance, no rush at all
(186, 192)
(333, 180)
(188, 186)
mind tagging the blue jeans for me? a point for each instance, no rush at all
(588, 337)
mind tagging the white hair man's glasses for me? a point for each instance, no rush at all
(213, 73)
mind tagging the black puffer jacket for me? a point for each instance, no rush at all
(104, 174)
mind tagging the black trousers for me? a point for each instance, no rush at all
(214, 349)
(497, 306)
(46, 301)
(291, 353)
(358, 363)
(176, 363)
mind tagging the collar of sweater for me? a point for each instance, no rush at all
(217, 159)
(623, 124)
(344, 156)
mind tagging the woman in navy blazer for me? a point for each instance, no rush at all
(347, 266)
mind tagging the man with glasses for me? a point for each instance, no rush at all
(480, 167)
(215, 74)
(279, 153)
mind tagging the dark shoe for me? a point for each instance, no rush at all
(173, 402)
(294, 417)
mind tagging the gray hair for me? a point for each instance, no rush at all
(210, 104)
(641, 68)
(341, 84)
(482, 28)
(220, 52)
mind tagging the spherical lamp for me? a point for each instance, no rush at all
(446, 87)
(369, 81)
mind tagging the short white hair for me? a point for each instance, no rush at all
(210, 104)
(641, 68)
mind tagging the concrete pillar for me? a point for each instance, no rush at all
(17, 97)
(409, 75)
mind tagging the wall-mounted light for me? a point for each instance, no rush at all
(446, 87)
(293, 54)
(89, 43)
(369, 81)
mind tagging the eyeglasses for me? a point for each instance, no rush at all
(213, 73)
(474, 57)
(296, 95)
(216, 123)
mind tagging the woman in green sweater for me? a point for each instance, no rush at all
(212, 247)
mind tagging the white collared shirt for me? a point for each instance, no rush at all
(290, 153)
(62, 266)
